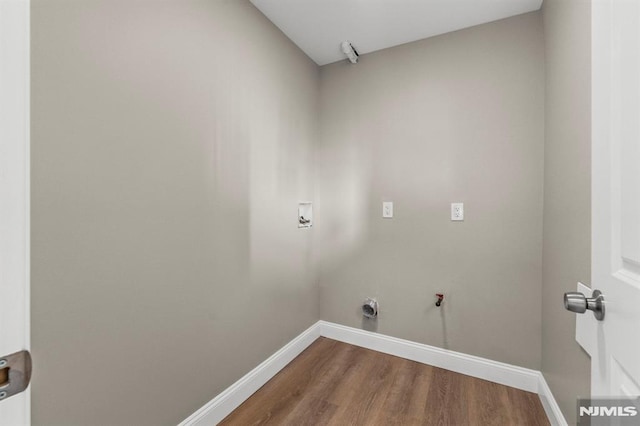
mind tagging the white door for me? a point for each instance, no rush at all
(614, 343)
(14, 200)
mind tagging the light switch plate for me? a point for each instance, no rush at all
(387, 209)
(457, 211)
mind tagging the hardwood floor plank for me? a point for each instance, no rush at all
(406, 400)
(526, 408)
(333, 383)
(311, 412)
(272, 403)
(354, 375)
(366, 397)
(446, 402)
(488, 403)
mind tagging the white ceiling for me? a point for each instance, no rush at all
(319, 26)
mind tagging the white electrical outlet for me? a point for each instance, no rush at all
(387, 209)
(457, 211)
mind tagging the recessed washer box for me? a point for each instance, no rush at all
(305, 215)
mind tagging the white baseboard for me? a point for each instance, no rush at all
(493, 371)
(497, 372)
(222, 405)
(551, 407)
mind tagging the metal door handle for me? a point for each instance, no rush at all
(577, 302)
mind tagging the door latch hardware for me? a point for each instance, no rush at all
(15, 373)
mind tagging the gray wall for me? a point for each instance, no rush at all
(171, 141)
(459, 117)
(567, 237)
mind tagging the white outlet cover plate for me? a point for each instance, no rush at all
(387, 209)
(457, 211)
